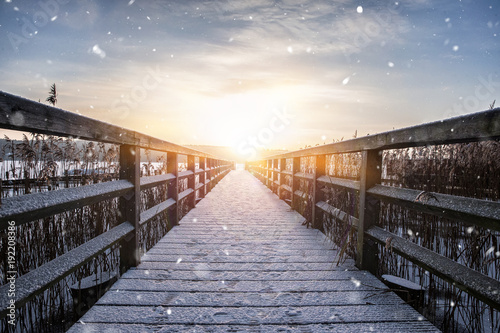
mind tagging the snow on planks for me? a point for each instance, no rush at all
(242, 261)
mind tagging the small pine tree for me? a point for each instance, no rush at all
(52, 99)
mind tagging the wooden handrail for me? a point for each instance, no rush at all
(469, 128)
(479, 126)
(20, 114)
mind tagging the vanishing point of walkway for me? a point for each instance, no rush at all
(242, 261)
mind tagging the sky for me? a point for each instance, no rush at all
(260, 73)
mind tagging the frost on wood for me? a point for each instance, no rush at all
(229, 266)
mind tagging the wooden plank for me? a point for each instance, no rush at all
(483, 213)
(484, 125)
(337, 213)
(152, 181)
(21, 114)
(238, 286)
(184, 174)
(408, 326)
(36, 281)
(302, 266)
(243, 243)
(303, 175)
(151, 213)
(341, 182)
(30, 207)
(335, 298)
(327, 258)
(179, 251)
(258, 315)
(478, 285)
(185, 193)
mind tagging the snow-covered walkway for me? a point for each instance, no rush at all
(242, 261)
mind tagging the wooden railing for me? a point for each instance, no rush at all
(470, 128)
(24, 115)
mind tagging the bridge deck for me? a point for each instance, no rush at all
(242, 261)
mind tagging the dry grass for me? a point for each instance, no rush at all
(42, 163)
(470, 170)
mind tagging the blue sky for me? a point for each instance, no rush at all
(277, 74)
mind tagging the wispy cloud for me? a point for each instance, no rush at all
(225, 65)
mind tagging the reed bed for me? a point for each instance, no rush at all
(45, 163)
(470, 170)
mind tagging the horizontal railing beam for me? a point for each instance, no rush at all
(184, 174)
(17, 113)
(338, 214)
(184, 194)
(303, 175)
(35, 282)
(474, 283)
(151, 213)
(340, 182)
(152, 181)
(483, 213)
(30, 207)
(484, 125)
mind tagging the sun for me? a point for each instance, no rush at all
(236, 117)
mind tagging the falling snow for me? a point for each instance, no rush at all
(98, 51)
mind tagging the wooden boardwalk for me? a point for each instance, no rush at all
(242, 261)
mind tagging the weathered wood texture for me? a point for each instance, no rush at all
(473, 127)
(35, 282)
(21, 114)
(231, 267)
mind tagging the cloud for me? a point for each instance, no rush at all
(230, 60)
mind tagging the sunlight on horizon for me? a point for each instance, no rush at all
(231, 120)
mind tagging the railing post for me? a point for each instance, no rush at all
(282, 168)
(216, 172)
(173, 187)
(274, 187)
(210, 165)
(191, 166)
(130, 205)
(369, 209)
(269, 165)
(295, 181)
(319, 170)
(201, 179)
